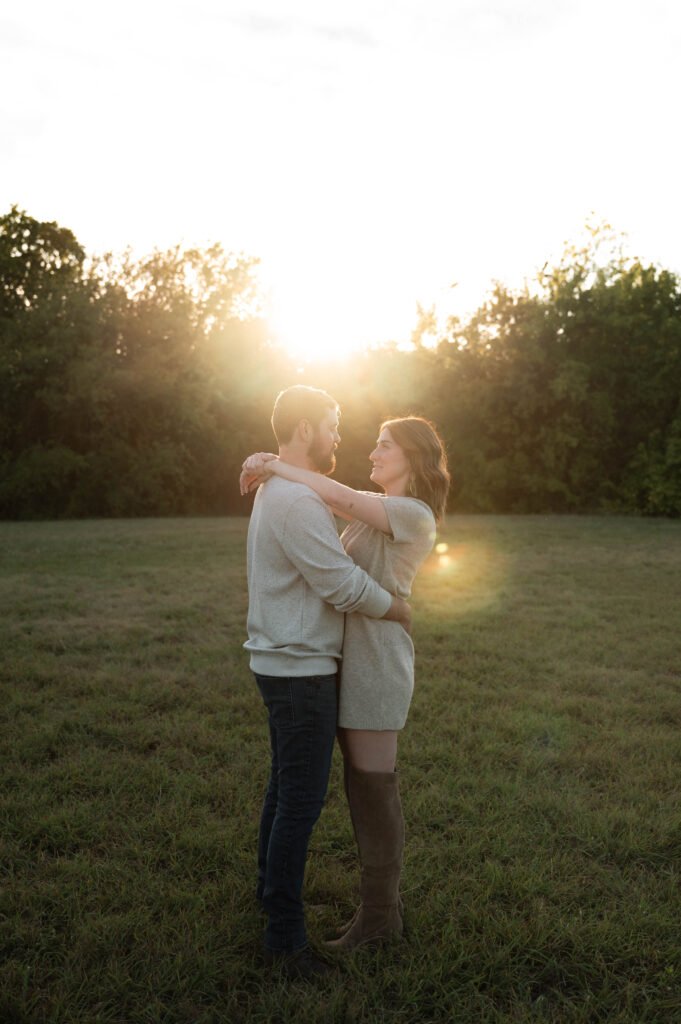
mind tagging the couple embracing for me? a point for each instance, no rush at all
(329, 643)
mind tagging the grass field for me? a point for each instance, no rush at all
(541, 772)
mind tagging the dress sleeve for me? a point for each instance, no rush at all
(411, 521)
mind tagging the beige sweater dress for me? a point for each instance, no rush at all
(377, 669)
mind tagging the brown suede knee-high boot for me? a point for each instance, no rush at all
(346, 786)
(376, 813)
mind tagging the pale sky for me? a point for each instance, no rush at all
(371, 153)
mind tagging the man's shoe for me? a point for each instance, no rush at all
(303, 964)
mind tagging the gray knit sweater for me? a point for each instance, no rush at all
(300, 582)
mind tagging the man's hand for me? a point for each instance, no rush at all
(254, 471)
(399, 611)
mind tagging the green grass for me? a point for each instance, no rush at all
(540, 770)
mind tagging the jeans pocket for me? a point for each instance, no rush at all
(303, 693)
(305, 702)
(298, 701)
(281, 705)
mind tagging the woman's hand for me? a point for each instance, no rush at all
(254, 470)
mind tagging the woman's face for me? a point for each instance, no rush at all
(391, 469)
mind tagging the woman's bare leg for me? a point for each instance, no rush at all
(370, 750)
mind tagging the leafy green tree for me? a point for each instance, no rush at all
(552, 394)
(44, 304)
(38, 262)
(128, 385)
(622, 320)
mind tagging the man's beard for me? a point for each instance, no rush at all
(323, 459)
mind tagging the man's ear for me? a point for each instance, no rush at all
(305, 431)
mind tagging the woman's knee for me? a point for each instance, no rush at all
(370, 750)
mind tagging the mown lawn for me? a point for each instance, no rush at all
(541, 772)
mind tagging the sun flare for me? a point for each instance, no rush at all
(328, 309)
(310, 329)
(315, 323)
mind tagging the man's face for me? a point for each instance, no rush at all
(326, 439)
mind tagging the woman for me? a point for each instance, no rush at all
(389, 536)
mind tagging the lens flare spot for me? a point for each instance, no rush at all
(460, 577)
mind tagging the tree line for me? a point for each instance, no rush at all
(136, 386)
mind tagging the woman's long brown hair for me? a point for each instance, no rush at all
(422, 445)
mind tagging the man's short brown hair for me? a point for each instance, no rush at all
(299, 403)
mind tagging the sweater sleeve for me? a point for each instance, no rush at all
(311, 542)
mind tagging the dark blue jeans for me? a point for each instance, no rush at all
(302, 720)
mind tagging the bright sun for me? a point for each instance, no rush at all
(308, 331)
(328, 310)
(314, 324)
(346, 302)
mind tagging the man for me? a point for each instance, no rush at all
(300, 583)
